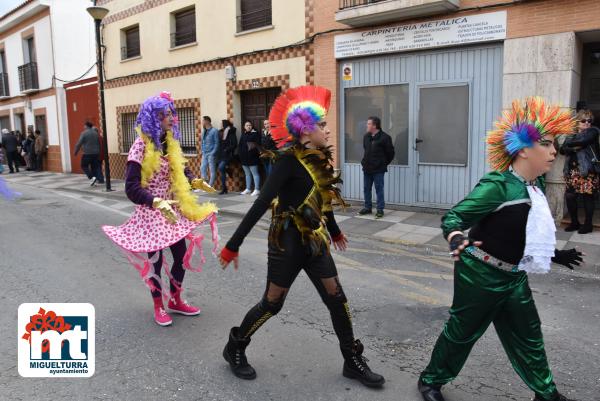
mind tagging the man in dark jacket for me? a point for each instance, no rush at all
(227, 145)
(89, 140)
(379, 153)
(10, 143)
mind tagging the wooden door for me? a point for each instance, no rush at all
(256, 105)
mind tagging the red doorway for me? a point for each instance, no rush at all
(82, 106)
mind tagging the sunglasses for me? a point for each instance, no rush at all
(586, 120)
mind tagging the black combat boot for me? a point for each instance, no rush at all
(355, 366)
(235, 354)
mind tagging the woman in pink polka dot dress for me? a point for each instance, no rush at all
(167, 212)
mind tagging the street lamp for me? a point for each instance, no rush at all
(98, 13)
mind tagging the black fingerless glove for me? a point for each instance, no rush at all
(567, 257)
(457, 240)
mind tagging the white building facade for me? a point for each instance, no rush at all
(43, 45)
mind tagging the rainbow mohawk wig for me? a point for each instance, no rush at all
(522, 126)
(298, 110)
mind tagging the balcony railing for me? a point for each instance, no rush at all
(355, 3)
(254, 19)
(4, 84)
(28, 77)
(183, 38)
(357, 13)
(129, 52)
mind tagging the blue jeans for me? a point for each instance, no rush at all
(268, 167)
(250, 172)
(223, 170)
(376, 179)
(208, 160)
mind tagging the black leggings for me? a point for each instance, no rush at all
(588, 206)
(177, 271)
(283, 268)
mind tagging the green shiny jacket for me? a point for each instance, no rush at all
(494, 191)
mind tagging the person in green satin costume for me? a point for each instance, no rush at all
(490, 283)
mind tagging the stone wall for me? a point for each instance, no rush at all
(547, 66)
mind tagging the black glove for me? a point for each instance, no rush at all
(457, 240)
(567, 257)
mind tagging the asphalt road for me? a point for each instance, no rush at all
(52, 250)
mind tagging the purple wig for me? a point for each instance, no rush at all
(152, 112)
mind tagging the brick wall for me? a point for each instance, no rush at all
(52, 161)
(553, 16)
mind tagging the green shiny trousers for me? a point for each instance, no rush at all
(482, 295)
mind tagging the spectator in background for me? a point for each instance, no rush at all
(227, 145)
(89, 140)
(1, 157)
(210, 147)
(267, 143)
(248, 151)
(27, 150)
(21, 152)
(379, 153)
(582, 171)
(39, 149)
(11, 144)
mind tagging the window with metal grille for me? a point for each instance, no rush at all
(253, 14)
(184, 24)
(132, 43)
(128, 130)
(187, 129)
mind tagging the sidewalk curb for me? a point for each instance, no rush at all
(117, 194)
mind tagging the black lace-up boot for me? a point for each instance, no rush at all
(235, 354)
(355, 366)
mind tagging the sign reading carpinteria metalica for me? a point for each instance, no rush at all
(429, 34)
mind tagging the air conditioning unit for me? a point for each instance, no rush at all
(230, 72)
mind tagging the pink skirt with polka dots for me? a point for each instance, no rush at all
(148, 231)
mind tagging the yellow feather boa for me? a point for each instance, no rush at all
(180, 186)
